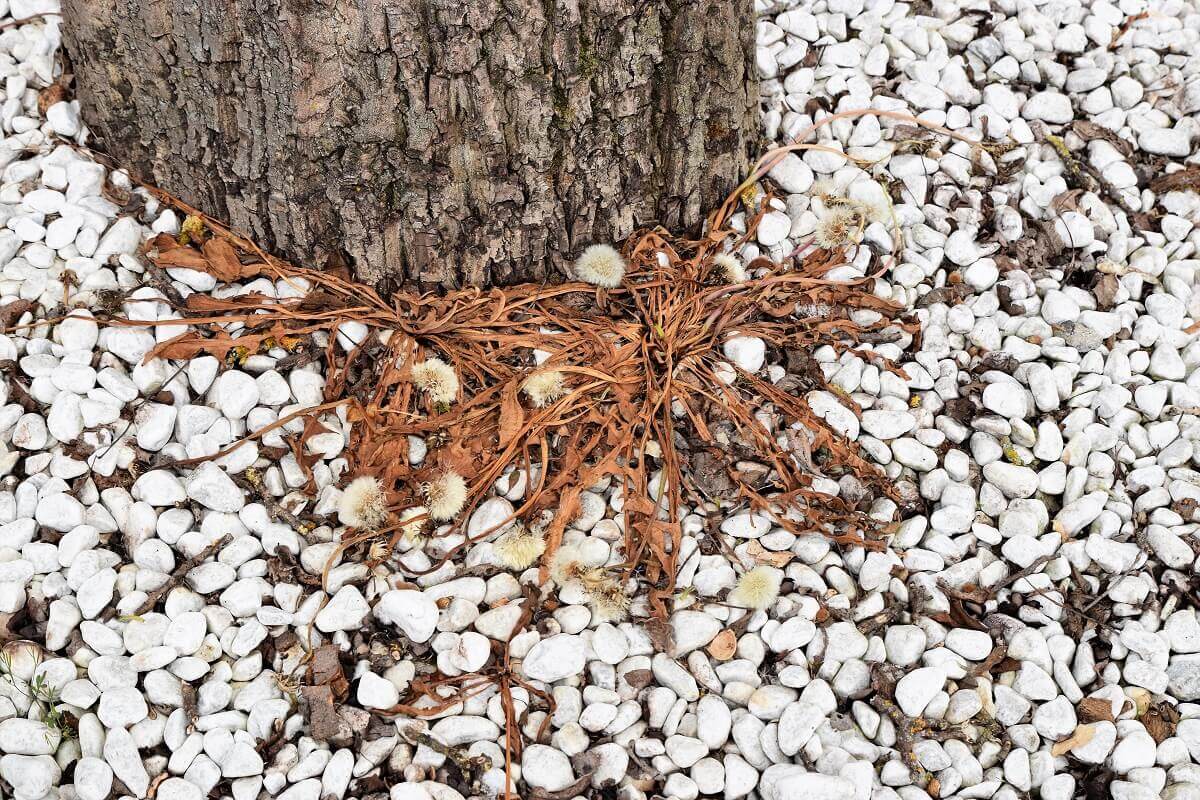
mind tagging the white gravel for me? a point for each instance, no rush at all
(1045, 424)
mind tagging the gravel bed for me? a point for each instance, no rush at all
(1030, 629)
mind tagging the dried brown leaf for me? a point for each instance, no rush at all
(771, 558)
(1161, 719)
(723, 646)
(223, 263)
(1067, 201)
(512, 416)
(950, 295)
(325, 669)
(11, 312)
(54, 93)
(1106, 291)
(639, 678)
(1182, 180)
(661, 635)
(323, 720)
(1094, 709)
(167, 253)
(1082, 735)
(1089, 131)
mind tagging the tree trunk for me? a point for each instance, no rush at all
(430, 142)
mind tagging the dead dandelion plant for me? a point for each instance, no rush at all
(642, 367)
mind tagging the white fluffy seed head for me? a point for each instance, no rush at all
(363, 504)
(608, 601)
(544, 387)
(568, 566)
(875, 212)
(437, 379)
(825, 187)
(519, 548)
(445, 496)
(728, 269)
(600, 265)
(757, 588)
(836, 228)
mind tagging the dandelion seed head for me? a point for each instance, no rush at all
(874, 212)
(544, 387)
(568, 566)
(379, 551)
(363, 504)
(836, 228)
(825, 187)
(437, 379)
(519, 548)
(600, 265)
(728, 268)
(445, 496)
(757, 588)
(608, 601)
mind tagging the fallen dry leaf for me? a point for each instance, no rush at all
(54, 93)
(1106, 291)
(1095, 709)
(761, 555)
(512, 416)
(661, 636)
(12, 312)
(1082, 735)
(723, 646)
(1161, 719)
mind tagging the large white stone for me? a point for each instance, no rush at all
(415, 613)
(555, 658)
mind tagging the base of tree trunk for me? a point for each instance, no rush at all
(435, 142)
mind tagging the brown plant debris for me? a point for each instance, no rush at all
(643, 388)
(1160, 720)
(1187, 179)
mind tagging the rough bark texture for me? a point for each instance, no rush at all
(441, 142)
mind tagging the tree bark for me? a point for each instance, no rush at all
(428, 142)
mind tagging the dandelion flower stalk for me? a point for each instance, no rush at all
(544, 387)
(757, 588)
(600, 265)
(437, 379)
(445, 496)
(363, 504)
